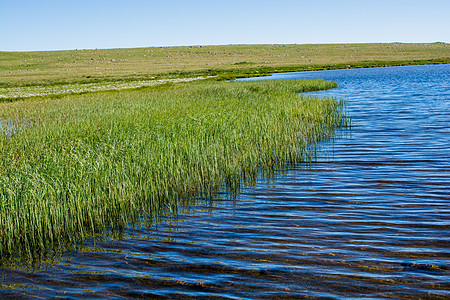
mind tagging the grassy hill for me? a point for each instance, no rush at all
(89, 66)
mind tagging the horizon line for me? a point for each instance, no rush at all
(214, 45)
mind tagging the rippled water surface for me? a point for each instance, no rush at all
(370, 218)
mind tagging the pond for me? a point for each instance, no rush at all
(370, 218)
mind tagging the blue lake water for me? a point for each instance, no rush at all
(369, 219)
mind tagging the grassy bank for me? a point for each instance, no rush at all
(75, 166)
(26, 92)
(94, 66)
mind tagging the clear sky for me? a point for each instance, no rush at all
(88, 24)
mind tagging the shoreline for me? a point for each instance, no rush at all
(56, 68)
(343, 66)
(93, 163)
(10, 94)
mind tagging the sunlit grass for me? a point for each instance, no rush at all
(13, 93)
(107, 65)
(83, 164)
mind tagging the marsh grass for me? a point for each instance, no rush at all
(86, 164)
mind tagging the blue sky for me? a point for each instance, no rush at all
(88, 24)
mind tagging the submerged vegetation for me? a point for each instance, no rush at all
(76, 166)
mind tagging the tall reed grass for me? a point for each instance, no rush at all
(80, 165)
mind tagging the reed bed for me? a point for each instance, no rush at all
(75, 167)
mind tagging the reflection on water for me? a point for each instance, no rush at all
(9, 127)
(5, 127)
(369, 219)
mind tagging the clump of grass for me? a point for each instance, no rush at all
(83, 164)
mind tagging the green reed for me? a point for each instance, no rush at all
(79, 165)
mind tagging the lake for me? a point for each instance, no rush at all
(370, 218)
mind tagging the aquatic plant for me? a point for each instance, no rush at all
(84, 164)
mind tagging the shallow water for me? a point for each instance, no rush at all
(9, 127)
(369, 219)
(5, 127)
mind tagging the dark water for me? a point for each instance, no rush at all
(369, 219)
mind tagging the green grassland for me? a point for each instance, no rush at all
(78, 165)
(89, 66)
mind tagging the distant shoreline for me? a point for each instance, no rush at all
(26, 92)
(351, 66)
(54, 68)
